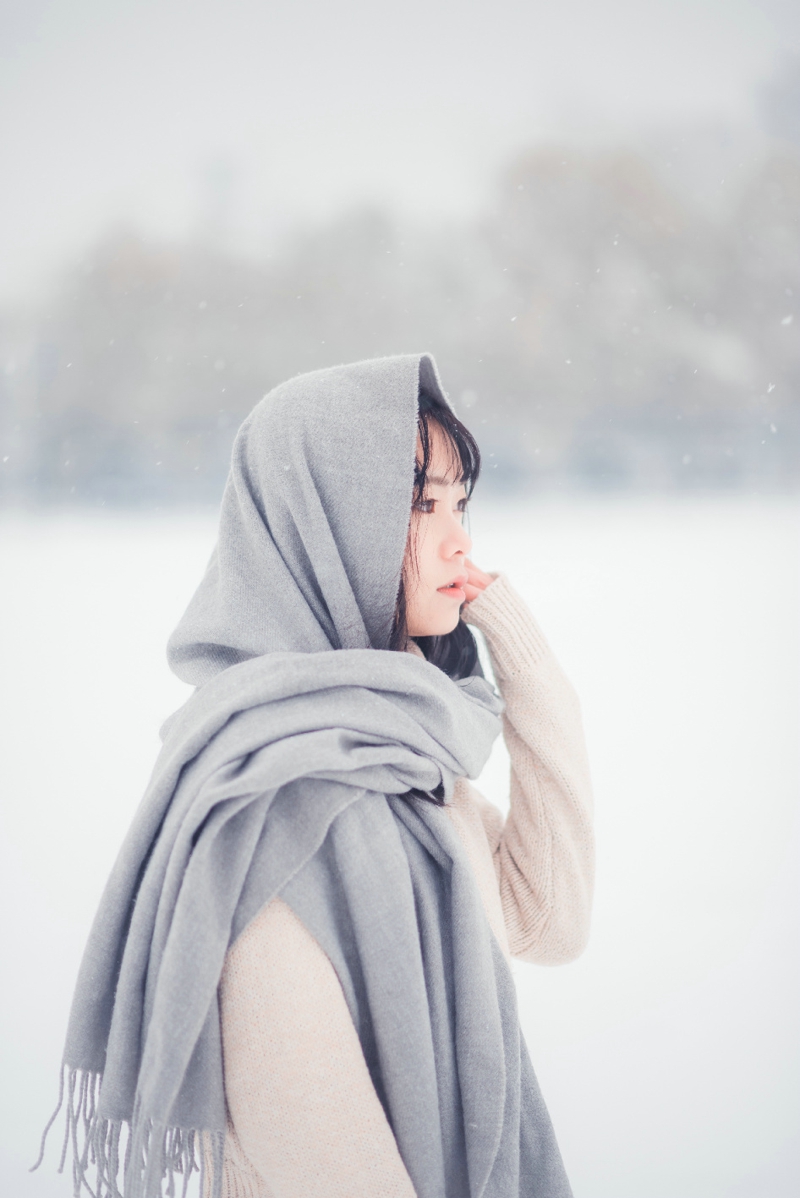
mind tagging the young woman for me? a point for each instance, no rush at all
(298, 972)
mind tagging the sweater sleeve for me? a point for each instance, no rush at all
(544, 852)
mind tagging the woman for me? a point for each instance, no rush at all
(301, 955)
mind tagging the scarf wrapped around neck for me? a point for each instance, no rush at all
(286, 773)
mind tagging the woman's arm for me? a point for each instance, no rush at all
(300, 1098)
(544, 853)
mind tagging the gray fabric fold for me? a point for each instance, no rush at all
(286, 773)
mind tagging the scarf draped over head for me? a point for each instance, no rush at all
(287, 773)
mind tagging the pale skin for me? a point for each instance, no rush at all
(439, 576)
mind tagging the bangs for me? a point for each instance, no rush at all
(465, 457)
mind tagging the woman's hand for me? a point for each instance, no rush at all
(477, 581)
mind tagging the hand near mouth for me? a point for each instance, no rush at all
(477, 581)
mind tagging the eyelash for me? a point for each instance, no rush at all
(420, 506)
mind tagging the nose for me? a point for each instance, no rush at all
(458, 541)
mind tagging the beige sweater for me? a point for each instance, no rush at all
(304, 1118)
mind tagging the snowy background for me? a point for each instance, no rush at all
(589, 212)
(668, 1053)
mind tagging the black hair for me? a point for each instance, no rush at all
(456, 652)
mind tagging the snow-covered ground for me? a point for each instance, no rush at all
(669, 1053)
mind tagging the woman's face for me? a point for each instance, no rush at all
(434, 571)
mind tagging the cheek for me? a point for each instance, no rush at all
(427, 561)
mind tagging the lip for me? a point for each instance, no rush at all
(455, 589)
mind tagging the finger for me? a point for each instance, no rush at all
(469, 563)
(477, 577)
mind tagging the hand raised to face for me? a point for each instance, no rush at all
(477, 580)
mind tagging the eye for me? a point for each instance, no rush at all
(424, 505)
(462, 504)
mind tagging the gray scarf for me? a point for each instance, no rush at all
(283, 775)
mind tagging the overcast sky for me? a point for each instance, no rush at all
(145, 110)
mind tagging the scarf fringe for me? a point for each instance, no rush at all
(155, 1156)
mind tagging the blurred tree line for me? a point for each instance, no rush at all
(594, 329)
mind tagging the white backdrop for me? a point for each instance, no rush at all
(669, 1053)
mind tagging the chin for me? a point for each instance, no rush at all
(434, 623)
(441, 627)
